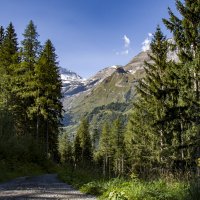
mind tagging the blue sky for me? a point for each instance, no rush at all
(89, 34)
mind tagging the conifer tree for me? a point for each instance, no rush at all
(186, 35)
(118, 146)
(8, 60)
(83, 142)
(105, 150)
(95, 139)
(25, 77)
(65, 149)
(185, 29)
(141, 142)
(47, 105)
(30, 46)
(77, 151)
(154, 90)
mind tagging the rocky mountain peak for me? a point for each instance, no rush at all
(68, 75)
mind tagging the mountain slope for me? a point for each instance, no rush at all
(103, 96)
(110, 85)
(113, 85)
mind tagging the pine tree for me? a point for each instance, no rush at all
(154, 89)
(30, 46)
(140, 140)
(118, 146)
(77, 151)
(105, 150)
(83, 142)
(8, 60)
(25, 77)
(47, 105)
(65, 149)
(187, 43)
(95, 139)
(185, 29)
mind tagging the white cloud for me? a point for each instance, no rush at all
(147, 42)
(126, 47)
(126, 41)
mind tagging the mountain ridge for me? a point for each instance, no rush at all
(114, 84)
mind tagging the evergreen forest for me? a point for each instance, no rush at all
(153, 153)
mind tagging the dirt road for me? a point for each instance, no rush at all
(47, 186)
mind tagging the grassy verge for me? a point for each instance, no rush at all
(78, 177)
(90, 182)
(139, 190)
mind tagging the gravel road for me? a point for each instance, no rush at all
(46, 186)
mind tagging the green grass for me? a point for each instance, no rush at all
(78, 177)
(120, 189)
(90, 182)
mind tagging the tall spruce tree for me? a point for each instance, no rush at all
(47, 105)
(30, 46)
(25, 79)
(154, 88)
(8, 60)
(186, 35)
(8, 55)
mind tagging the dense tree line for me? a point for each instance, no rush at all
(163, 131)
(30, 85)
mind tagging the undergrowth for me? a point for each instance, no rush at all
(10, 171)
(79, 176)
(90, 182)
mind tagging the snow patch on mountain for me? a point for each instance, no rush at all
(68, 75)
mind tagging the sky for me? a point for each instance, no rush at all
(89, 35)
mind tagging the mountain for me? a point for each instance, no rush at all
(72, 83)
(67, 75)
(137, 63)
(115, 84)
(104, 96)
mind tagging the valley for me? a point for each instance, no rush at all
(111, 85)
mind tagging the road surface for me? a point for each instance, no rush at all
(46, 186)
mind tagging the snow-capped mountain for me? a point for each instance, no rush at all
(68, 75)
(72, 82)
